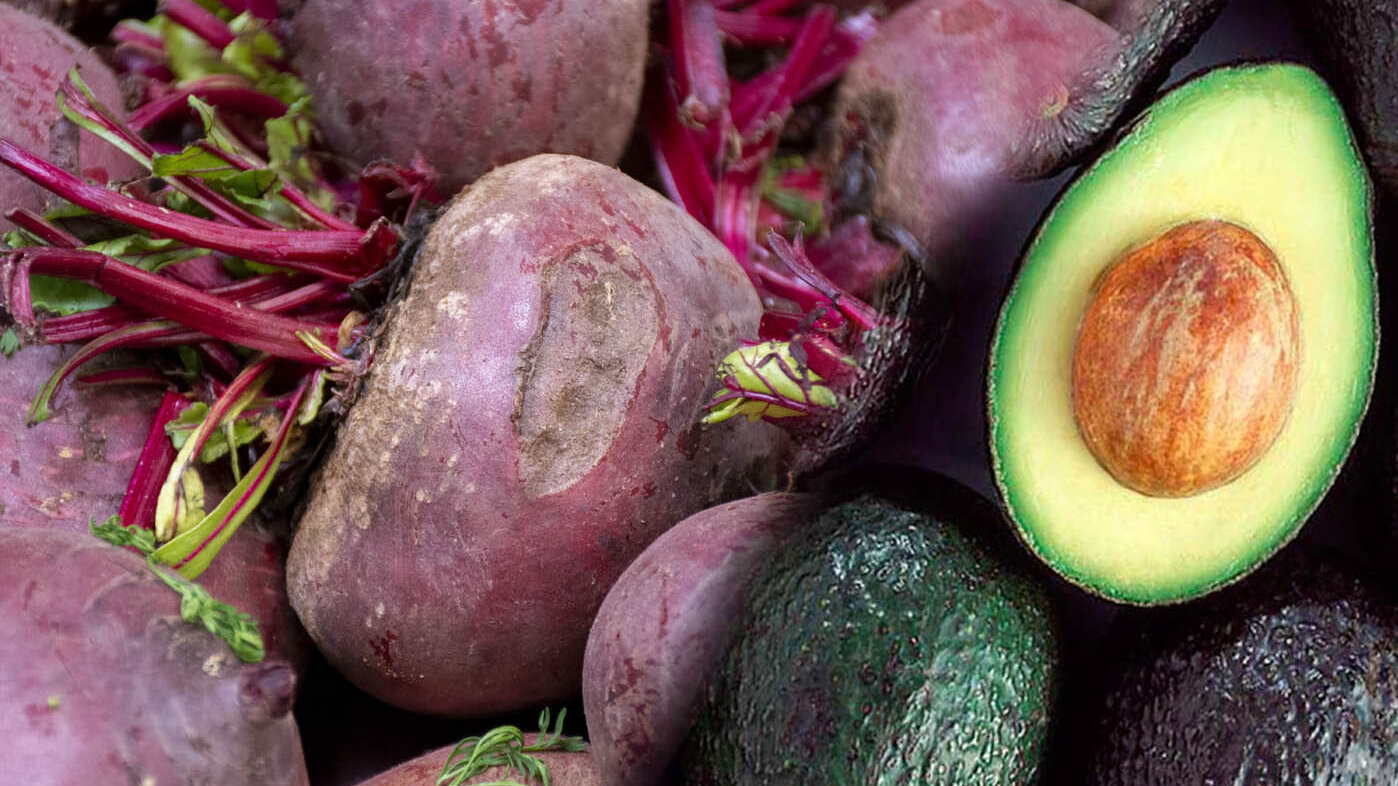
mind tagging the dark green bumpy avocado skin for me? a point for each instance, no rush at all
(884, 646)
(1155, 34)
(1288, 678)
(1354, 40)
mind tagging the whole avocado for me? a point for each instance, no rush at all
(1353, 41)
(1289, 678)
(885, 645)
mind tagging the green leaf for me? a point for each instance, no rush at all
(289, 137)
(187, 55)
(180, 429)
(9, 342)
(145, 252)
(118, 534)
(193, 160)
(66, 296)
(192, 362)
(215, 132)
(237, 629)
(773, 374)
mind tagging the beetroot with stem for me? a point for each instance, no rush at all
(472, 84)
(529, 424)
(106, 684)
(585, 383)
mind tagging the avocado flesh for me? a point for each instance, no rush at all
(1265, 147)
(884, 646)
(1291, 677)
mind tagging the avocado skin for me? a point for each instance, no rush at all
(885, 646)
(1288, 678)
(1155, 34)
(1354, 42)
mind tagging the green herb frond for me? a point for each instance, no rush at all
(237, 629)
(114, 532)
(504, 746)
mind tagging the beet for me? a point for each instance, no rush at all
(665, 625)
(529, 425)
(104, 683)
(35, 57)
(472, 84)
(74, 468)
(954, 100)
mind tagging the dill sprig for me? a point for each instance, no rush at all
(504, 746)
(197, 606)
(118, 534)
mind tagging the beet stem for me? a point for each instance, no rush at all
(138, 506)
(276, 335)
(36, 225)
(198, 20)
(239, 393)
(225, 91)
(87, 325)
(700, 74)
(311, 251)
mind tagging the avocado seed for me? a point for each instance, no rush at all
(1185, 365)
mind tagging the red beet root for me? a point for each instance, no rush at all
(530, 423)
(104, 683)
(472, 84)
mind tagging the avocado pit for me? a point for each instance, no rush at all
(1184, 370)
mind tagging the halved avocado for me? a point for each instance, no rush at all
(1262, 147)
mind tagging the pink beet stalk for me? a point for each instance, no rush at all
(753, 30)
(34, 224)
(198, 20)
(325, 253)
(138, 506)
(226, 91)
(700, 73)
(87, 325)
(278, 336)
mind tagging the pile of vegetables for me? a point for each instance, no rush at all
(503, 356)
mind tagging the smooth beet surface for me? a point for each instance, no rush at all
(664, 628)
(472, 84)
(104, 683)
(529, 425)
(35, 58)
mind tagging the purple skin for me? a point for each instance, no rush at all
(35, 57)
(529, 425)
(74, 468)
(957, 93)
(565, 769)
(472, 84)
(104, 683)
(664, 626)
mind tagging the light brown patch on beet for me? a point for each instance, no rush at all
(1185, 365)
(578, 375)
